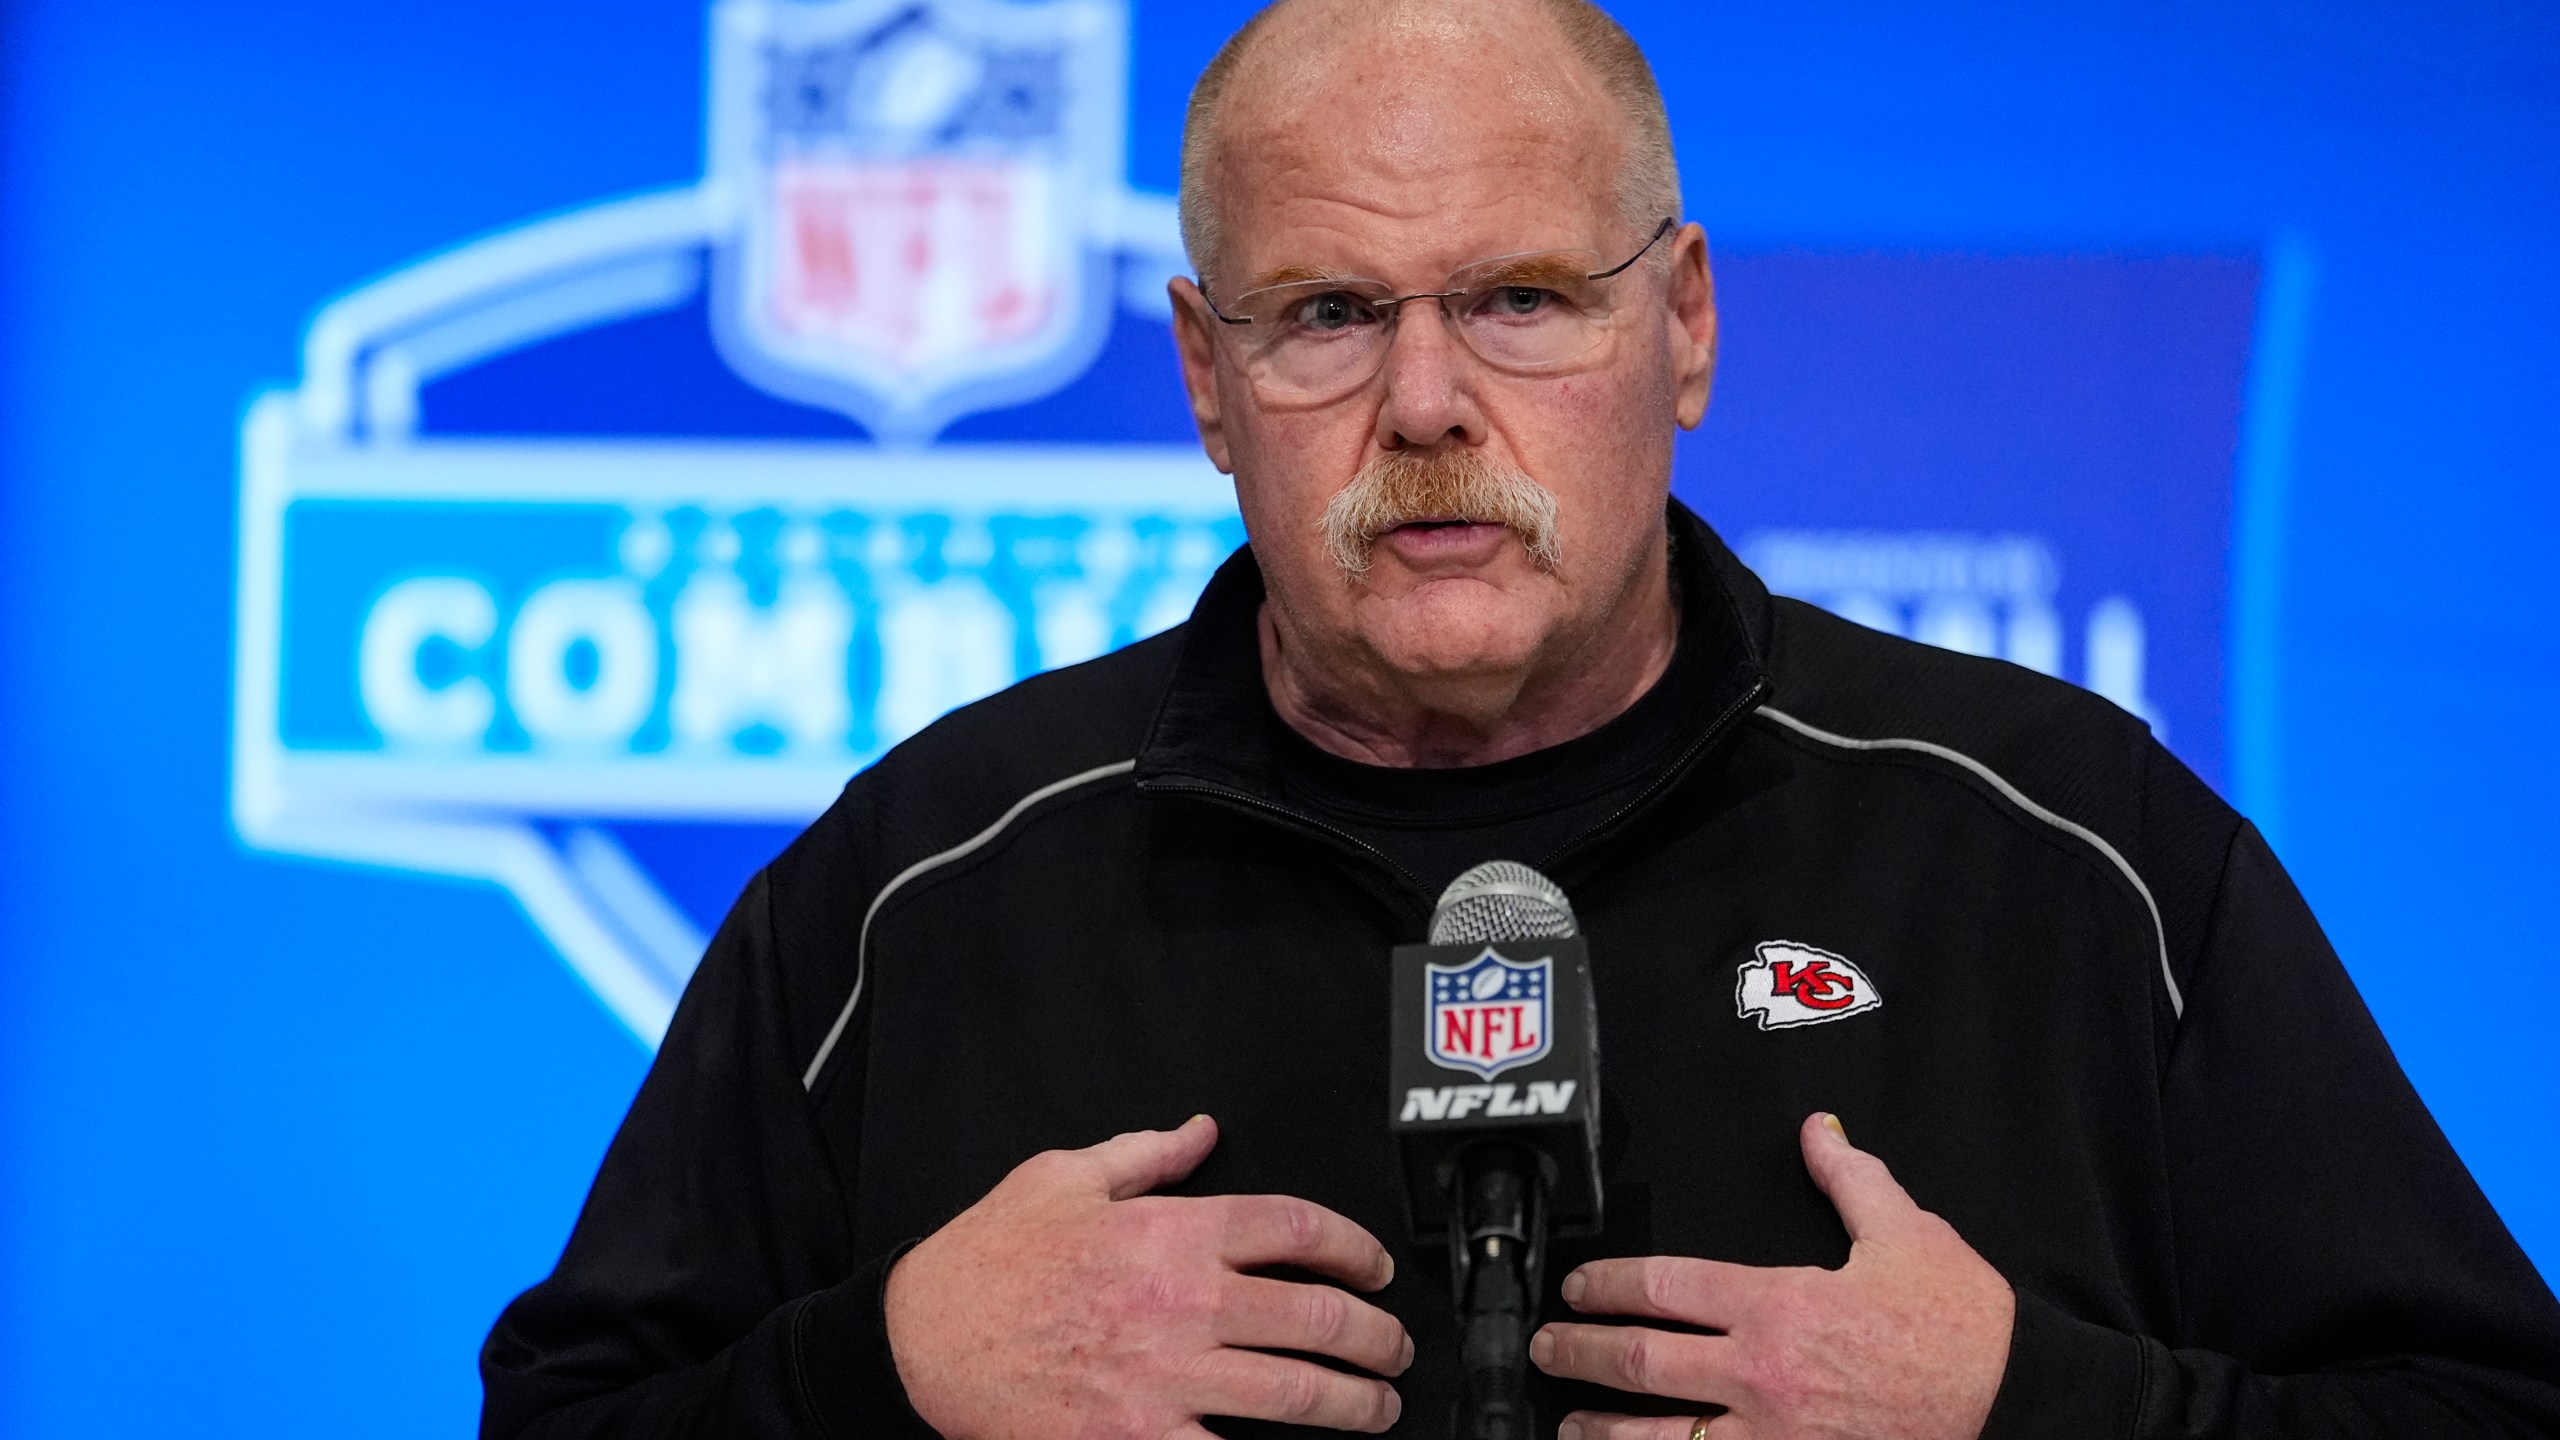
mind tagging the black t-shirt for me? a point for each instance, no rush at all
(1438, 822)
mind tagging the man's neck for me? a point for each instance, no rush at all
(1370, 713)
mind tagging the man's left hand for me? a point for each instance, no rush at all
(1907, 1340)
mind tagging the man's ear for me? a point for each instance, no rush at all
(1693, 325)
(1193, 342)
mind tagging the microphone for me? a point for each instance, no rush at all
(1494, 1069)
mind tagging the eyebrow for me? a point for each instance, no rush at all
(1516, 269)
(1538, 267)
(1295, 275)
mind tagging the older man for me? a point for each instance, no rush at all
(901, 1164)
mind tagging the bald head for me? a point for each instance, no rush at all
(1414, 84)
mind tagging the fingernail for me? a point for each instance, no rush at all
(1407, 1362)
(1569, 1430)
(1391, 1273)
(1197, 1118)
(1573, 1288)
(1832, 1123)
(1395, 1408)
(1542, 1348)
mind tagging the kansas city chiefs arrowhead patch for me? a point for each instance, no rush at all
(1788, 984)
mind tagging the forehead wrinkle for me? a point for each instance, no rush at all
(1334, 238)
(1416, 119)
(1458, 207)
(1425, 113)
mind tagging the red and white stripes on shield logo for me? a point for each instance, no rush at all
(913, 261)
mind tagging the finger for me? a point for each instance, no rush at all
(1316, 1319)
(1712, 1293)
(1600, 1425)
(1254, 1386)
(1631, 1357)
(1865, 1193)
(1144, 1160)
(1284, 1230)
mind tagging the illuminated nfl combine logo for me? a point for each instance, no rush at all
(1489, 1014)
(592, 557)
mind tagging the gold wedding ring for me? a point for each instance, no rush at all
(1699, 1430)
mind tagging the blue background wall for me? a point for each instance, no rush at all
(280, 1138)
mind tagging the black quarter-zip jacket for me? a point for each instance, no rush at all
(2112, 1047)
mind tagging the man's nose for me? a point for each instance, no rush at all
(1429, 395)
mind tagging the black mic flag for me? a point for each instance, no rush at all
(1496, 1038)
(1495, 1103)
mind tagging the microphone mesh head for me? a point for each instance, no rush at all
(1501, 900)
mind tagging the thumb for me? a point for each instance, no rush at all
(1869, 1199)
(1144, 1160)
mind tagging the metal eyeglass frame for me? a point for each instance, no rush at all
(1395, 303)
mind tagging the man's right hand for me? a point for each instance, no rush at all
(1071, 1304)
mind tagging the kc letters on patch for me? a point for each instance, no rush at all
(1786, 984)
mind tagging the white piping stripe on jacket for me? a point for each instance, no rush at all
(862, 945)
(2177, 1002)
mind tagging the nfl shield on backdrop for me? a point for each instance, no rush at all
(910, 188)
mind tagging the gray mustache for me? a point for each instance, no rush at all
(1403, 486)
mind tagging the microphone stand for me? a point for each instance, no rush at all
(1497, 1258)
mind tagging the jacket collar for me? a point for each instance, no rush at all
(1216, 731)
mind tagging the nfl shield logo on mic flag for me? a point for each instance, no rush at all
(1490, 1014)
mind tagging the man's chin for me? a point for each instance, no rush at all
(1454, 626)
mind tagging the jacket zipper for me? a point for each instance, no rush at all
(1295, 817)
(1670, 773)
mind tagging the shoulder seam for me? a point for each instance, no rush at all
(862, 943)
(2017, 797)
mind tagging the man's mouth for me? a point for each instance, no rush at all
(1443, 542)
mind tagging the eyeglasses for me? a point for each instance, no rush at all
(1531, 314)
